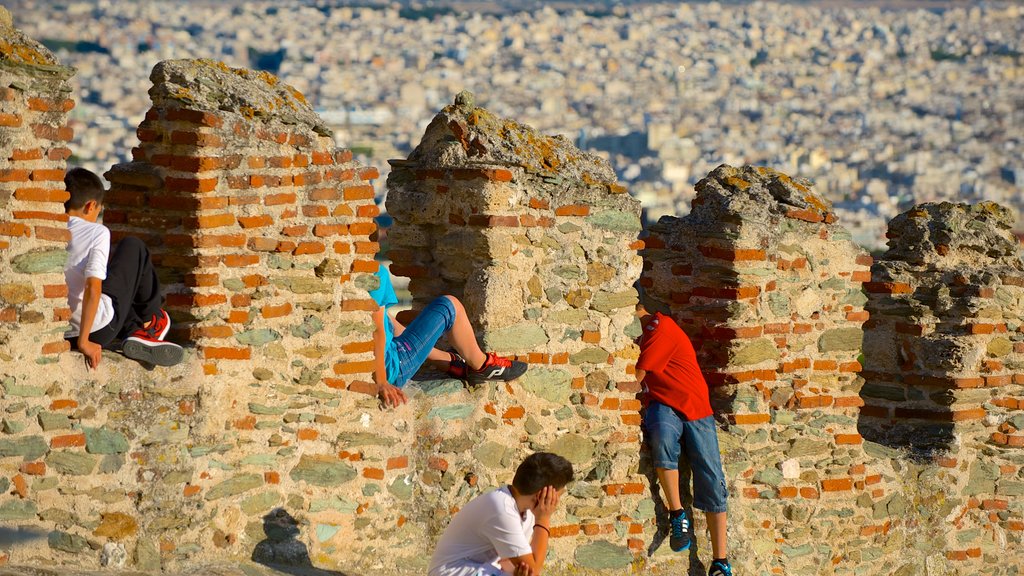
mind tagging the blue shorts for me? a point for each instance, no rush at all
(669, 434)
(418, 338)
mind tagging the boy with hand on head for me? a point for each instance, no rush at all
(399, 350)
(678, 417)
(111, 296)
(505, 532)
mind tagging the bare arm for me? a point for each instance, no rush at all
(391, 395)
(532, 564)
(90, 304)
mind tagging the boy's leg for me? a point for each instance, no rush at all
(700, 440)
(416, 343)
(717, 527)
(463, 338)
(134, 289)
(664, 429)
(132, 284)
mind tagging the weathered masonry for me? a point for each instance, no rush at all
(870, 410)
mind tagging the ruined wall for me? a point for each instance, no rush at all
(768, 286)
(540, 243)
(774, 294)
(943, 360)
(260, 228)
(34, 105)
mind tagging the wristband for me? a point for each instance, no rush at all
(546, 529)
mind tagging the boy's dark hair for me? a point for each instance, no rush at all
(83, 186)
(539, 470)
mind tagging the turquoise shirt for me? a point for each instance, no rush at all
(384, 296)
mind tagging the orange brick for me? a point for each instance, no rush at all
(849, 439)
(276, 311)
(837, 484)
(364, 367)
(309, 248)
(63, 404)
(373, 473)
(307, 434)
(67, 441)
(398, 462)
(514, 412)
(216, 353)
(33, 468)
(255, 221)
(573, 210)
(190, 490)
(56, 347)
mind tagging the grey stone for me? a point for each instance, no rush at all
(590, 355)
(453, 412)
(517, 338)
(490, 454)
(260, 503)
(568, 272)
(401, 488)
(551, 384)
(754, 352)
(771, 476)
(262, 374)
(13, 510)
(40, 261)
(802, 447)
(310, 325)
(257, 337)
(335, 503)
(53, 421)
(326, 472)
(603, 555)
(436, 388)
(615, 220)
(982, 478)
(105, 441)
(147, 555)
(263, 410)
(66, 542)
(532, 426)
(839, 339)
(111, 463)
(608, 301)
(574, 447)
(348, 440)
(571, 316)
(235, 486)
(72, 463)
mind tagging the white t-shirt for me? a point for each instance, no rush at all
(484, 531)
(88, 252)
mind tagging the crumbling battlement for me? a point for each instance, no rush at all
(870, 412)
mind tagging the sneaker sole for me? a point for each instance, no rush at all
(506, 375)
(158, 353)
(683, 549)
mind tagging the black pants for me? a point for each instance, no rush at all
(133, 288)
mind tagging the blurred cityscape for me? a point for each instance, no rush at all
(881, 105)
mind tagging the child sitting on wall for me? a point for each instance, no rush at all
(505, 532)
(678, 417)
(399, 350)
(111, 296)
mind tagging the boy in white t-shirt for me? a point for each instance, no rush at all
(505, 532)
(111, 296)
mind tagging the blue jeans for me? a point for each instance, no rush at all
(414, 344)
(669, 434)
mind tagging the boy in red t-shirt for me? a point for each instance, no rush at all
(678, 417)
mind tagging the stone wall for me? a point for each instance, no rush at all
(944, 364)
(774, 294)
(539, 241)
(264, 444)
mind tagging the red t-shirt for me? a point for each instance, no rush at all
(673, 377)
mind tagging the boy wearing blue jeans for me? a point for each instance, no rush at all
(678, 418)
(399, 350)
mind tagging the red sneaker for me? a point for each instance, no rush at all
(457, 367)
(497, 368)
(147, 344)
